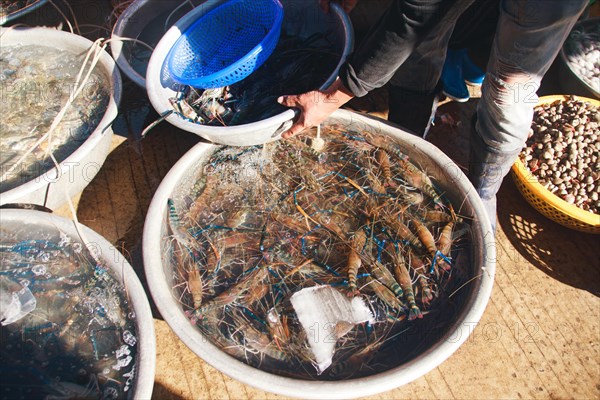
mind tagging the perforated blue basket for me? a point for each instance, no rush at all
(226, 44)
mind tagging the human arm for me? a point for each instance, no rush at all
(399, 32)
(405, 24)
(315, 106)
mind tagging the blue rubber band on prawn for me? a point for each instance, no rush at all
(380, 244)
(274, 273)
(442, 256)
(350, 194)
(249, 313)
(326, 267)
(352, 137)
(325, 175)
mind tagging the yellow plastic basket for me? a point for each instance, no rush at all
(548, 203)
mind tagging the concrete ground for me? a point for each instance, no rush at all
(538, 338)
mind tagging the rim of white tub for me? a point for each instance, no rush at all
(158, 82)
(23, 11)
(456, 335)
(47, 188)
(116, 47)
(122, 270)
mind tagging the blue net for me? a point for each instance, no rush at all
(226, 44)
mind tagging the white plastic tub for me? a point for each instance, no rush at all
(78, 169)
(302, 18)
(24, 220)
(455, 186)
(135, 23)
(572, 81)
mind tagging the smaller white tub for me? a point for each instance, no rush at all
(26, 225)
(302, 18)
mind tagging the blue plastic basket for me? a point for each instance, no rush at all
(226, 44)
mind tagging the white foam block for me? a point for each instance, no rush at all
(326, 315)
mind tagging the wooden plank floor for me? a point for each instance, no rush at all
(539, 336)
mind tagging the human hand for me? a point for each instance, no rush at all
(348, 5)
(315, 106)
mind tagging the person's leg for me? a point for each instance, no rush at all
(528, 37)
(413, 88)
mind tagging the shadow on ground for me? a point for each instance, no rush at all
(568, 256)
(164, 393)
